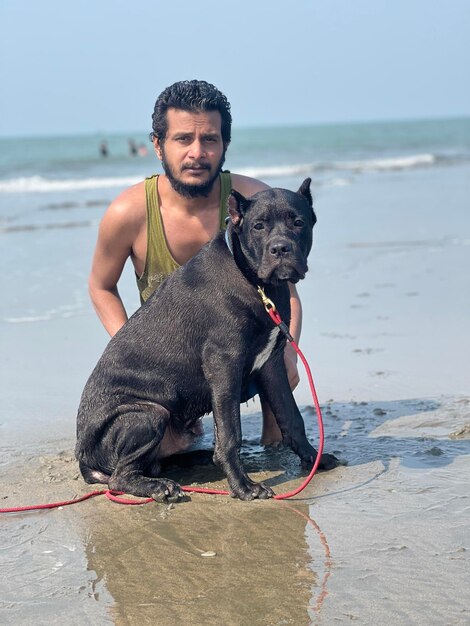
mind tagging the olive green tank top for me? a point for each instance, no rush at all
(159, 262)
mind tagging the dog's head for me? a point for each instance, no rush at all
(274, 229)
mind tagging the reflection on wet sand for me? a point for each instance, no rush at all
(314, 534)
(212, 561)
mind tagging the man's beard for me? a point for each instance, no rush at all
(194, 190)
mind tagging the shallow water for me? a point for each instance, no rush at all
(345, 546)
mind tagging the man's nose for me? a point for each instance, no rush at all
(196, 149)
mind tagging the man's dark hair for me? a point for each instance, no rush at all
(194, 96)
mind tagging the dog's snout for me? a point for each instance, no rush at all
(280, 248)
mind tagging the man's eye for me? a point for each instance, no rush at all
(259, 226)
(298, 223)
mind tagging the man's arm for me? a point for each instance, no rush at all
(295, 327)
(114, 246)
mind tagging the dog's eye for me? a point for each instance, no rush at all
(259, 226)
(298, 223)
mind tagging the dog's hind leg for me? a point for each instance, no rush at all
(141, 429)
(93, 476)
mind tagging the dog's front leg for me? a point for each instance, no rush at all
(274, 387)
(225, 383)
(228, 439)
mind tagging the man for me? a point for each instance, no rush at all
(165, 220)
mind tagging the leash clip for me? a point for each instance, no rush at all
(268, 304)
(273, 314)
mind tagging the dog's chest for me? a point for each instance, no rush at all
(266, 351)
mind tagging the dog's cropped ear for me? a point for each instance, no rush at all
(236, 207)
(304, 191)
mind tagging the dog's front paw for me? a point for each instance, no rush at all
(252, 491)
(307, 454)
(167, 491)
(327, 461)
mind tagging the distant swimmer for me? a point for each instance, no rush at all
(132, 147)
(142, 149)
(104, 149)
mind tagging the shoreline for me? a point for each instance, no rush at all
(407, 464)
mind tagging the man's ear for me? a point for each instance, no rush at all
(304, 191)
(157, 147)
(236, 206)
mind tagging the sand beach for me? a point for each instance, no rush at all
(383, 538)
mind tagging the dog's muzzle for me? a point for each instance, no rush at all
(283, 261)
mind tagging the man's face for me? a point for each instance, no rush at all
(193, 152)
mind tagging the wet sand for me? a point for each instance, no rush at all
(211, 560)
(383, 538)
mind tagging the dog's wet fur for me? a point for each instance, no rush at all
(196, 346)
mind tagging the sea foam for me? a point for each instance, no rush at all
(393, 163)
(39, 184)
(364, 165)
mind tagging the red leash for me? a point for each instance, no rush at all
(114, 495)
(111, 495)
(276, 318)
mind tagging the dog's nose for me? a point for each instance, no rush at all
(280, 248)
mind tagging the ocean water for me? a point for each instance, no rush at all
(380, 189)
(40, 170)
(54, 190)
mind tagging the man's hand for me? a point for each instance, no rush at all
(290, 359)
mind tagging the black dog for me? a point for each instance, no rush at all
(198, 345)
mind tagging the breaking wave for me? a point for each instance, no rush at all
(365, 165)
(39, 184)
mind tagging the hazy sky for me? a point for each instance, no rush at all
(98, 65)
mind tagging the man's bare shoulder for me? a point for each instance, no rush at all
(128, 208)
(247, 186)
